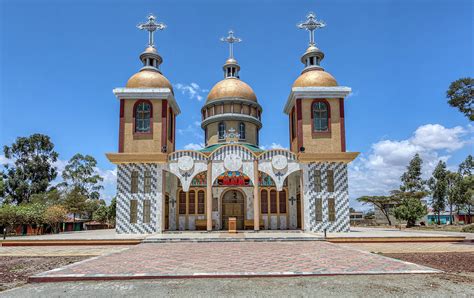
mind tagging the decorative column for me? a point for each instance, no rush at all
(256, 202)
(209, 196)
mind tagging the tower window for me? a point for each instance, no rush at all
(221, 130)
(147, 182)
(320, 116)
(311, 60)
(142, 117)
(242, 131)
(134, 182)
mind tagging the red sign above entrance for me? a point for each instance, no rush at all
(233, 179)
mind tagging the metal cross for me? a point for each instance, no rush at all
(231, 39)
(311, 25)
(292, 200)
(151, 26)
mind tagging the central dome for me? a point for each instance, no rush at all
(231, 87)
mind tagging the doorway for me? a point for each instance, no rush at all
(233, 206)
(298, 211)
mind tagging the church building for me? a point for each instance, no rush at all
(232, 179)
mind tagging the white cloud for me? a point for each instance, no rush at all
(5, 161)
(193, 90)
(378, 171)
(272, 146)
(193, 146)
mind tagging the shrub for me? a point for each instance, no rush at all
(468, 229)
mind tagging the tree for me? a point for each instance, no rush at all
(48, 198)
(9, 217)
(438, 186)
(32, 169)
(382, 202)
(111, 211)
(2, 186)
(453, 185)
(411, 179)
(32, 215)
(54, 216)
(100, 214)
(75, 202)
(410, 209)
(80, 174)
(92, 205)
(461, 95)
(466, 186)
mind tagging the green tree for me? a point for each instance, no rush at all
(453, 185)
(100, 214)
(466, 186)
(75, 202)
(438, 186)
(92, 205)
(411, 179)
(32, 215)
(461, 95)
(54, 215)
(32, 169)
(2, 186)
(9, 217)
(80, 174)
(382, 202)
(410, 209)
(111, 211)
(48, 198)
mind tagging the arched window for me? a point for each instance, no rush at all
(320, 116)
(221, 130)
(273, 201)
(242, 131)
(264, 202)
(142, 117)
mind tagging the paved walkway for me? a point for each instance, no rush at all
(410, 247)
(391, 232)
(59, 251)
(230, 259)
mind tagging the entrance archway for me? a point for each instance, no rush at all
(233, 205)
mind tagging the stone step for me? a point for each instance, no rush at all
(231, 239)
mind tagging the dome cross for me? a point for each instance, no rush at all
(311, 25)
(151, 26)
(231, 39)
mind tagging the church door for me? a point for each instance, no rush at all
(298, 211)
(233, 206)
(167, 212)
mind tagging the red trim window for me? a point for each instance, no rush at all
(320, 116)
(142, 113)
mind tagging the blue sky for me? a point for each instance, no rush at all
(60, 61)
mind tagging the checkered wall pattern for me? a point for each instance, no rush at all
(340, 194)
(124, 196)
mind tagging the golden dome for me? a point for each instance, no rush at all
(231, 87)
(148, 79)
(315, 78)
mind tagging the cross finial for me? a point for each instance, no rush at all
(231, 39)
(311, 25)
(151, 26)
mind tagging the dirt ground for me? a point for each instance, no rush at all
(14, 271)
(452, 262)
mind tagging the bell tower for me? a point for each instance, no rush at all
(316, 103)
(147, 105)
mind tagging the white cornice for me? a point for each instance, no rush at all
(315, 92)
(148, 93)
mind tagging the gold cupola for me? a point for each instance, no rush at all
(231, 106)
(313, 75)
(150, 75)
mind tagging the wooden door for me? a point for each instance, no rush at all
(298, 211)
(233, 206)
(167, 212)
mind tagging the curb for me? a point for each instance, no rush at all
(69, 242)
(395, 239)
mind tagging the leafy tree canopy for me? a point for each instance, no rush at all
(461, 95)
(411, 179)
(80, 174)
(32, 168)
(438, 186)
(411, 210)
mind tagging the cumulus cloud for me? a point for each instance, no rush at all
(193, 146)
(378, 171)
(272, 146)
(193, 90)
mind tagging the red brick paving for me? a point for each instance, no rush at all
(231, 259)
